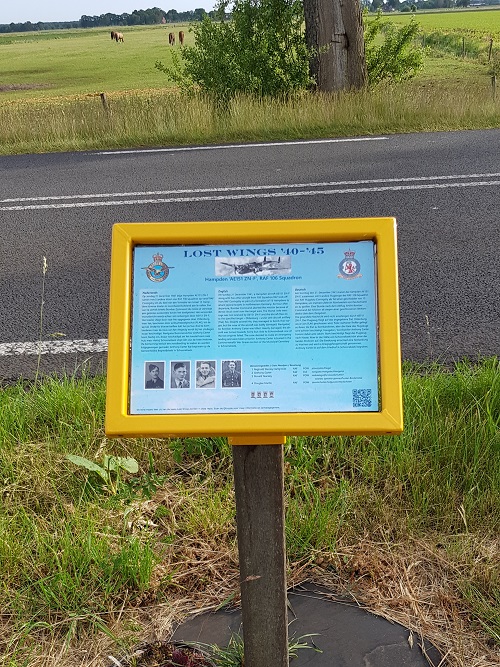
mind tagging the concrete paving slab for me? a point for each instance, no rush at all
(344, 634)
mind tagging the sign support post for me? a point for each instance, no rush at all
(260, 518)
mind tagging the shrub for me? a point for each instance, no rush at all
(397, 58)
(261, 51)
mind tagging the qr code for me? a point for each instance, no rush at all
(361, 398)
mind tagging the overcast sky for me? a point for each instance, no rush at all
(20, 11)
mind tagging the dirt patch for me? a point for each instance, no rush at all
(165, 654)
(7, 87)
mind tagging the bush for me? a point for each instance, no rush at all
(397, 58)
(261, 51)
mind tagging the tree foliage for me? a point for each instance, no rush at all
(260, 51)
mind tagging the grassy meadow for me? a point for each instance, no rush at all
(63, 63)
(407, 525)
(481, 20)
(51, 84)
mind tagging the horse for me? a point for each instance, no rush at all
(181, 37)
(119, 36)
(112, 34)
(171, 38)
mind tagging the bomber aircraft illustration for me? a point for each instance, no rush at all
(267, 264)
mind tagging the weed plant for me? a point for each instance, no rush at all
(409, 524)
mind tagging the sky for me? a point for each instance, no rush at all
(20, 11)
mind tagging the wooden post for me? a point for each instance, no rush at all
(104, 101)
(494, 86)
(490, 48)
(260, 518)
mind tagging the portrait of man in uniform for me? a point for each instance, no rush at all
(231, 373)
(154, 375)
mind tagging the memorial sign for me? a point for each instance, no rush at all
(245, 328)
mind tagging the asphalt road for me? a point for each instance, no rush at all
(443, 189)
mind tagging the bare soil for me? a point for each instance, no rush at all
(166, 654)
(7, 87)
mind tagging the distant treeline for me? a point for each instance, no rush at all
(137, 17)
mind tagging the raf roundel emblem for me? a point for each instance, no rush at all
(157, 271)
(349, 267)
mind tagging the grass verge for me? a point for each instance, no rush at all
(152, 118)
(408, 525)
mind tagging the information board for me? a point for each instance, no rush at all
(254, 328)
(248, 327)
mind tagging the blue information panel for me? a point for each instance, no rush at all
(254, 328)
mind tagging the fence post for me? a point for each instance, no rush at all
(104, 101)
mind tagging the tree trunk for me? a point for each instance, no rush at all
(334, 33)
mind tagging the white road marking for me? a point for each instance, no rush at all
(225, 147)
(53, 347)
(245, 188)
(259, 192)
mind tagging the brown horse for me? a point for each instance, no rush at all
(119, 36)
(112, 35)
(181, 37)
(171, 38)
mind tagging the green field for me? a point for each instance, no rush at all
(86, 61)
(82, 62)
(485, 21)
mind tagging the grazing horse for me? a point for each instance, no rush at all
(113, 34)
(181, 37)
(119, 36)
(171, 38)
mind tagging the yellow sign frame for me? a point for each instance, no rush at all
(251, 428)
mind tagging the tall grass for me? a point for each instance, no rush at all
(459, 43)
(75, 559)
(169, 118)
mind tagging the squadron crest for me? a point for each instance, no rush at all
(157, 271)
(349, 267)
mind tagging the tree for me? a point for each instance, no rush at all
(172, 16)
(198, 14)
(334, 36)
